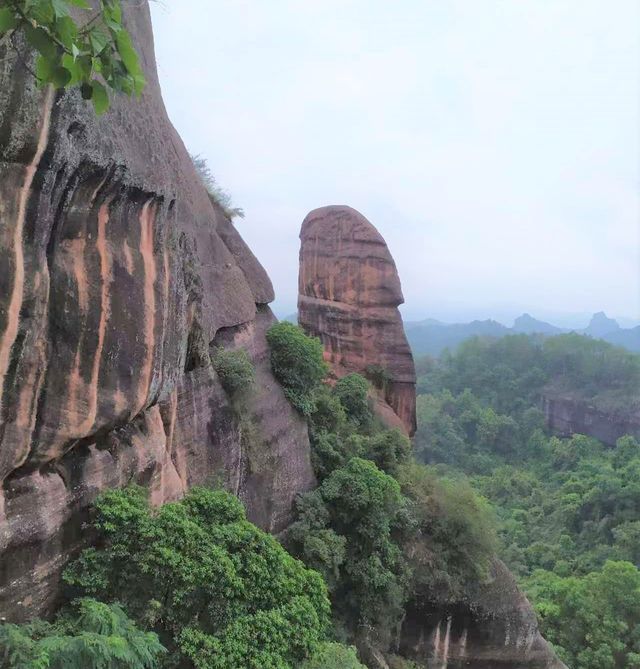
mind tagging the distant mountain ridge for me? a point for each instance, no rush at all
(431, 337)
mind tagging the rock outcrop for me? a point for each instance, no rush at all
(348, 296)
(117, 275)
(566, 415)
(494, 628)
(349, 292)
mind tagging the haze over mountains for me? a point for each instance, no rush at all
(431, 336)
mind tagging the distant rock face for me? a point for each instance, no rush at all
(117, 276)
(566, 415)
(348, 295)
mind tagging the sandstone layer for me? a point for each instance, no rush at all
(348, 296)
(117, 275)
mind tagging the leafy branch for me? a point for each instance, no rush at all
(96, 56)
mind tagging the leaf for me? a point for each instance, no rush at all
(83, 4)
(87, 91)
(8, 20)
(60, 8)
(75, 52)
(60, 76)
(67, 31)
(127, 53)
(100, 98)
(139, 82)
(69, 63)
(43, 69)
(40, 40)
(49, 72)
(98, 41)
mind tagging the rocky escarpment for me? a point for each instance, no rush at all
(117, 276)
(493, 628)
(566, 415)
(348, 295)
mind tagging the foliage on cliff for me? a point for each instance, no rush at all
(95, 54)
(234, 369)
(217, 193)
(297, 362)
(380, 528)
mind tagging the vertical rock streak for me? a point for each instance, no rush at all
(447, 641)
(80, 426)
(436, 644)
(17, 294)
(147, 219)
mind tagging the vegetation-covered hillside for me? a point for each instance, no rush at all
(567, 510)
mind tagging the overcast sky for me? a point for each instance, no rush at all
(494, 143)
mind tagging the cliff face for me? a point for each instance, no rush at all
(493, 628)
(348, 295)
(566, 415)
(117, 276)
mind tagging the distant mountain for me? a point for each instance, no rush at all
(527, 324)
(431, 337)
(629, 339)
(601, 325)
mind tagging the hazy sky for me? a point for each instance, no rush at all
(494, 143)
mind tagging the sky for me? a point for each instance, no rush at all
(494, 144)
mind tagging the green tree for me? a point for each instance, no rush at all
(207, 580)
(298, 364)
(353, 392)
(86, 634)
(350, 529)
(95, 55)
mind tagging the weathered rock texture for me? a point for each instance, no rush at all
(495, 628)
(348, 295)
(566, 415)
(117, 274)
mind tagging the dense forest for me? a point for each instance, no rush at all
(567, 510)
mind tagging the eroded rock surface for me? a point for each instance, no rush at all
(495, 628)
(348, 295)
(117, 275)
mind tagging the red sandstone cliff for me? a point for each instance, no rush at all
(117, 274)
(348, 295)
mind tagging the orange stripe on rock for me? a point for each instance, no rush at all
(15, 302)
(147, 219)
